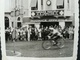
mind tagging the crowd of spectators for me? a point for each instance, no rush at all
(34, 33)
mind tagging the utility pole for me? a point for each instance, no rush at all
(14, 25)
(14, 15)
(16, 12)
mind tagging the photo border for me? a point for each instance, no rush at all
(3, 45)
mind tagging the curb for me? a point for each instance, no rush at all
(17, 54)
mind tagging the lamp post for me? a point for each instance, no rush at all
(15, 13)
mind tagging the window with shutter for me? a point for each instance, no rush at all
(60, 4)
(34, 4)
(42, 4)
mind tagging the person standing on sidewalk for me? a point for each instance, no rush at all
(29, 33)
(13, 34)
(39, 37)
(26, 33)
(71, 32)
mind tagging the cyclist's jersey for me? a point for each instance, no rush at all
(56, 31)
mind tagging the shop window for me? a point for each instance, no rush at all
(44, 24)
(32, 25)
(34, 4)
(18, 24)
(12, 24)
(67, 24)
(42, 4)
(60, 4)
(68, 3)
(6, 22)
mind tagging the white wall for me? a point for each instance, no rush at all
(72, 5)
(25, 4)
(7, 6)
(10, 5)
(26, 7)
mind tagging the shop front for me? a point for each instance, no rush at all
(44, 24)
(52, 22)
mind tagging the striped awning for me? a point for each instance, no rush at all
(33, 3)
(59, 2)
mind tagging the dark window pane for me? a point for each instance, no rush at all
(18, 24)
(59, 5)
(36, 7)
(41, 2)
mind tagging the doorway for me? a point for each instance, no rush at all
(32, 25)
(67, 24)
(49, 24)
(18, 24)
(6, 22)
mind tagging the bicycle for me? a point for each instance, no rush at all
(55, 41)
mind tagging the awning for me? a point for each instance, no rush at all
(59, 2)
(26, 19)
(33, 3)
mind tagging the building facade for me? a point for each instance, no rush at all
(50, 12)
(13, 13)
(41, 12)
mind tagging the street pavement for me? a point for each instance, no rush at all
(34, 49)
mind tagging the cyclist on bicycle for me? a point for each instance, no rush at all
(54, 34)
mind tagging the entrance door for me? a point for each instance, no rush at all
(18, 24)
(67, 24)
(6, 22)
(49, 23)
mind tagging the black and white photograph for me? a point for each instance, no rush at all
(40, 28)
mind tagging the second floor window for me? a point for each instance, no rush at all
(68, 3)
(34, 4)
(60, 4)
(41, 2)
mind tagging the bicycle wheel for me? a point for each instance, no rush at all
(60, 43)
(46, 45)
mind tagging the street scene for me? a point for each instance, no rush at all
(34, 28)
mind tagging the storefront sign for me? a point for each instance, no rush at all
(47, 13)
